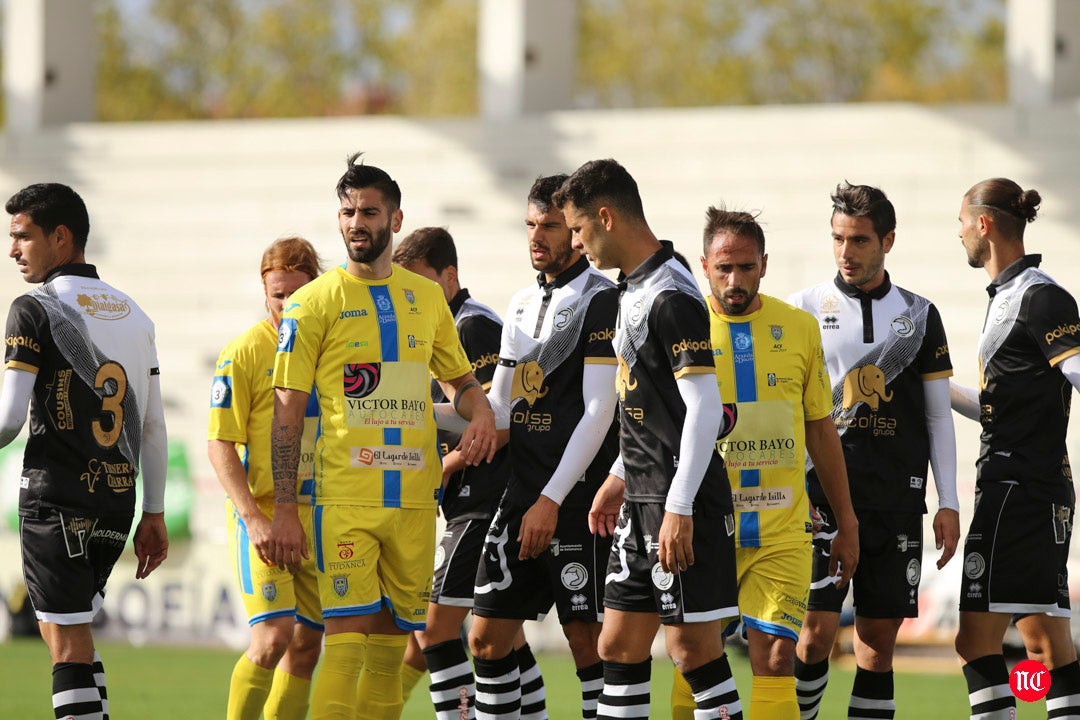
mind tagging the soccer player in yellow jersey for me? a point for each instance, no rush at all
(367, 334)
(274, 674)
(769, 360)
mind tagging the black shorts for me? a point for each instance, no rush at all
(570, 573)
(67, 561)
(705, 591)
(886, 581)
(1016, 553)
(456, 560)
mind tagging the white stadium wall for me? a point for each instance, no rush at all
(180, 213)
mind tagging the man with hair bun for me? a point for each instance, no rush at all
(1017, 548)
(888, 359)
(274, 674)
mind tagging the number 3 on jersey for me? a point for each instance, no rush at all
(112, 398)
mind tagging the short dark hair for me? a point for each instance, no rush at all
(601, 182)
(359, 176)
(433, 245)
(50, 205)
(734, 222)
(865, 201)
(543, 189)
(1011, 207)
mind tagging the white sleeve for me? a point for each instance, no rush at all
(14, 401)
(598, 391)
(704, 415)
(964, 400)
(939, 425)
(618, 468)
(447, 418)
(1070, 368)
(154, 450)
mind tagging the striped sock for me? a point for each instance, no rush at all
(592, 682)
(871, 696)
(714, 690)
(453, 690)
(1063, 700)
(626, 691)
(74, 692)
(810, 682)
(99, 680)
(498, 688)
(533, 697)
(989, 693)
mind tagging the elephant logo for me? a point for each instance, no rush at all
(865, 384)
(623, 381)
(528, 382)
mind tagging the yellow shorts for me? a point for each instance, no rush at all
(270, 592)
(371, 557)
(774, 583)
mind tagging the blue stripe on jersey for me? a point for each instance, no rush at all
(244, 458)
(749, 529)
(742, 353)
(388, 327)
(270, 615)
(312, 409)
(243, 552)
(368, 609)
(391, 478)
(316, 531)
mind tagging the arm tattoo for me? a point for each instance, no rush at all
(464, 388)
(285, 459)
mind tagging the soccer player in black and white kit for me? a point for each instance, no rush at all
(470, 494)
(81, 354)
(556, 380)
(888, 358)
(673, 556)
(1017, 546)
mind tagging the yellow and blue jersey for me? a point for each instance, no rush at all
(242, 409)
(770, 363)
(369, 346)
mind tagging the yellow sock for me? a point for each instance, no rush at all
(773, 698)
(248, 688)
(682, 698)
(288, 697)
(409, 677)
(333, 696)
(380, 682)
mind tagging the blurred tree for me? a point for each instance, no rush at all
(288, 58)
(649, 52)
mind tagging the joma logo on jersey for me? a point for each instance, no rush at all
(690, 346)
(104, 306)
(22, 341)
(865, 384)
(346, 314)
(528, 382)
(1061, 331)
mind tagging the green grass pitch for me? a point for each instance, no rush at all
(165, 682)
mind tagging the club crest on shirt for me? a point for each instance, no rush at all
(777, 332)
(341, 585)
